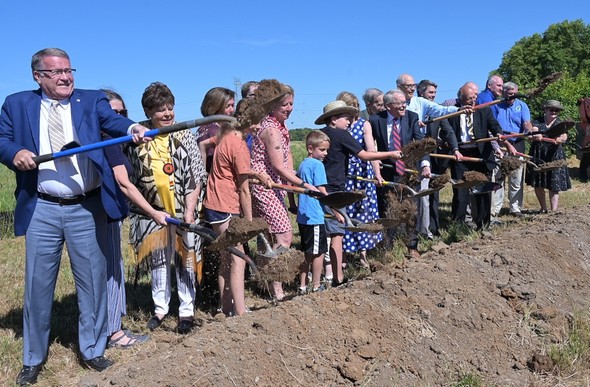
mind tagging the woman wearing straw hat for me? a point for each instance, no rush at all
(336, 117)
(558, 179)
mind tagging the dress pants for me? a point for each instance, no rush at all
(462, 197)
(83, 228)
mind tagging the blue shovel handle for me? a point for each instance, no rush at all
(121, 140)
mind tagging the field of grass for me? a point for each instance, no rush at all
(64, 322)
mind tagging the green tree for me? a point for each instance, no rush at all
(563, 48)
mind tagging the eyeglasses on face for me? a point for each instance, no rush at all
(57, 72)
(554, 110)
(122, 112)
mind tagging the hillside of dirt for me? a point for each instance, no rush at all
(483, 307)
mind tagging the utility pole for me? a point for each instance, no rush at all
(238, 87)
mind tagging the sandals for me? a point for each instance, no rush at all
(133, 339)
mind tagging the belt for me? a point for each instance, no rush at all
(69, 200)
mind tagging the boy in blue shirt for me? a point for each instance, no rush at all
(310, 215)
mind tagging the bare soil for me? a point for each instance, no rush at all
(489, 307)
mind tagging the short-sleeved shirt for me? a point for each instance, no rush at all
(230, 160)
(512, 117)
(310, 210)
(342, 144)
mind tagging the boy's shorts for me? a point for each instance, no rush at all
(216, 217)
(334, 227)
(313, 239)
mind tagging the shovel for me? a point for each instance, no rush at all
(410, 190)
(466, 159)
(334, 199)
(74, 148)
(207, 234)
(355, 225)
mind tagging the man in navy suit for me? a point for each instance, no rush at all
(462, 143)
(397, 117)
(65, 200)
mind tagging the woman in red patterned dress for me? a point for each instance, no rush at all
(271, 154)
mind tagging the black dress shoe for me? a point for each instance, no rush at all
(28, 375)
(185, 326)
(154, 322)
(99, 363)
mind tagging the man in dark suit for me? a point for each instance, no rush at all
(394, 118)
(467, 128)
(65, 200)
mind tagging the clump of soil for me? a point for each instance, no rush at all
(284, 268)
(551, 165)
(509, 164)
(240, 230)
(415, 150)
(411, 179)
(439, 181)
(404, 211)
(471, 179)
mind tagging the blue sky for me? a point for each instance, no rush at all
(318, 47)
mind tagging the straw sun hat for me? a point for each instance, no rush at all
(335, 108)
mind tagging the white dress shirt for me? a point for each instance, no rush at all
(66, 176)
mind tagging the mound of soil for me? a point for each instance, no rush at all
(489, 307)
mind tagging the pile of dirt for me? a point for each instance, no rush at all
(490, 307)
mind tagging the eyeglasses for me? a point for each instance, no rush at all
(554, 110)
(397, 104)
(409, 85)
(122, 112)
(57, 72)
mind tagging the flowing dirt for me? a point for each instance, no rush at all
(239, 231)
(489, 307)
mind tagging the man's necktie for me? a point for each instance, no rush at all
(55, 128)
(469, 125)
(396, 139)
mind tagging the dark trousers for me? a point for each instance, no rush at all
(480, 203)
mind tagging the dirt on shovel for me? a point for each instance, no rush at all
(471, 179)
(415, 150)
(551, 165)
(509, 164)
(240, 230)
(439, 181)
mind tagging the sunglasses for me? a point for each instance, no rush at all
(554, 110)
(122, 112)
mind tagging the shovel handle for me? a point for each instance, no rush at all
(451, 157)
(292, 188)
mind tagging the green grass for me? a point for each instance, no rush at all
(573, 354)
(299, 152)
(7, 201)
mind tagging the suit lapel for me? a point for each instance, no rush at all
(77, 113)
(33, 108)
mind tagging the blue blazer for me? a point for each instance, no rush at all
(19, 129)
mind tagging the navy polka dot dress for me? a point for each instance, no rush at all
(366, 210)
